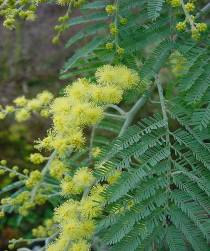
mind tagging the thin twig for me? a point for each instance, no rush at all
(131, 114)
(117, 108)
(206, 8)
(44, 171)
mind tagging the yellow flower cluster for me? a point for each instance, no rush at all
(37, 158)
(175, 3)
(24, 107)
(76, 220)
(57, 169)
(44, 230)
(82, 179)
(33, 179)
(11, 10)
(110, 9)
(83, 105)
(196, 28)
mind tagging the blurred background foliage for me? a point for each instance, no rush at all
(29, 63)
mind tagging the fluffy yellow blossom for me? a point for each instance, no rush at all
(109, 46)
(39, 232)
(61, 105)
(73, 229)
(57, 169)
(78, 90)
(9, 109)
(90, 208)
(114, 177)
(110, 9)
(60, 144)
(196, 34)
(81, 245)
(96, 151)
(83, 178)
(68, 187)
(22, 115)
(106, 94)
(45, 97)
(201, 27)
(20, 101)
(175, 3)
(119, 75)
(45, 113)
(86, 114)
(40, 199)
(34, 178)
(46, 143)
(37, 158)
(67, 210)
(181, 26)
(72, 139)
(113, 29)
(34, 105)
(190, 7)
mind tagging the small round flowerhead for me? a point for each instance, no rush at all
(96, 152)
(76, 139)
(123, 21)
(181, 26)
(201, 27)
(106, 94)
(45, 97)
(34, 105)
(22, 115)
(34, 178)
(175, 3)
(89, 208)
(110, 9)
(56, 39)
(9, 109)
(81, 245)
(113, 29)
(120, 51)
(37, 158)
(67, 187)
(109, 46)
(190, 7)
(20, 101)
(61, 106)
(196, 34)
(78, 90)
(69, 209)
(83, 178)
(3, 162)
(57, 169)
(119, 75)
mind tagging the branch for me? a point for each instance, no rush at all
(131, 114)
(203, 10)
(44, 171)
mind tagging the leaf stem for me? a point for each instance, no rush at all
(131, 114)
